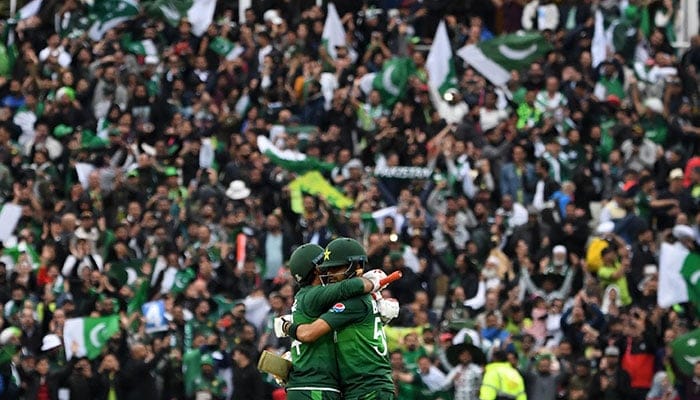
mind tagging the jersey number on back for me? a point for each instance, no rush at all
(379, 335)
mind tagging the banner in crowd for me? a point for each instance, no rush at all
(495, 58)
(686, 351)
(440, 63)
(315, 184)
(154, 314)
(403, 172)
(90, 334)
(291, 160)
(675, 270)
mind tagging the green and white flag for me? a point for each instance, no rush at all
(679, 275)
(613, 34)
(315, 184)
(690, 269)
(108, 14)
(29, 10)
(686, 351)
(200, 13)
(290, 160)
(495, 58)
(440, 64)
(226, 48)
(90, 334)
(333, 32)
(142, 47)
(392, 81)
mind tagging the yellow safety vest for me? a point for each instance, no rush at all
(502, 381)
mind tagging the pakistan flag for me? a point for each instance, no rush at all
(495, 58)
(108, 14)
(686, 351)
(200, 13)
(440, 65)
(392, 81)
(90, 334)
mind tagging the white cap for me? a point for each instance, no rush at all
(559, 249)
(50, 341)
(654, 104)
(270, 15)
(152, 60)
(605, 227)
(354, 163)
(493, 260)
(683, 232)
(650, 269)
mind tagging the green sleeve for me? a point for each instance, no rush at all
(345, 313)
(321, 298)
(605, 272)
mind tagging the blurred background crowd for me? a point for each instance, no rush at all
(159, 162)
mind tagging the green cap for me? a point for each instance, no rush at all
(342, 251)
(133, 173)
(62, 130)
(118, 275)
(207, 360)
(303, 260)
(170, 171)
(113, 132)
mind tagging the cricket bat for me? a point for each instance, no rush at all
(276, 365)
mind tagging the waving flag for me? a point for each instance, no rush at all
(679, 275)
(226, 48)
(440, 64)
(334, 34)
(690, 269)
(495, 58)
(91, 335)
(315, 184)
(200, 13)
(686, 351)
(108, 14)
(392, 81)
(291, 160)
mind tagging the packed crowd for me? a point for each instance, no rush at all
(531, 243)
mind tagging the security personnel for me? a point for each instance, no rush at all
(208, 382)
(501, 380)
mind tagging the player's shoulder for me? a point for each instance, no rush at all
(353, 304)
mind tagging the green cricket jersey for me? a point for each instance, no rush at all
(363, 356)
(314, 365)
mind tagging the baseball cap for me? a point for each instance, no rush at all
(612, 351)
(207, 359)
(675, 173)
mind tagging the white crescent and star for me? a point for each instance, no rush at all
(515, 54)
(95, 332)
(387, 83)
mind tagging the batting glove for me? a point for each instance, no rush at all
(282, 324)
(375, 276)
(388, 309)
